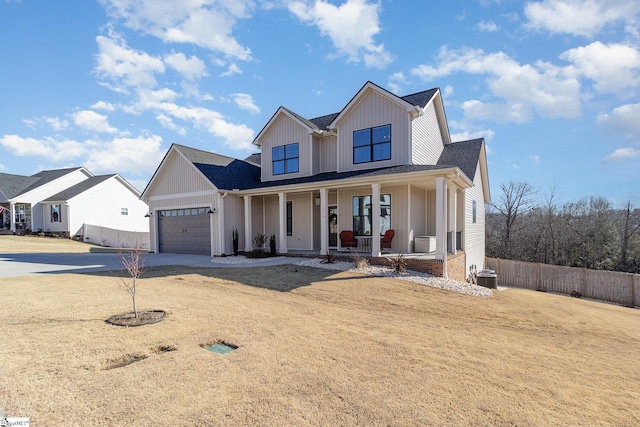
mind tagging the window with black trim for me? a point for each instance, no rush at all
(285, 159)
(289, 218)
(372, 145)
(473, 211)
(362, 214)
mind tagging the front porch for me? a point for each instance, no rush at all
(454, 269)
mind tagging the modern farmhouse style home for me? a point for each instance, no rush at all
(382, 175)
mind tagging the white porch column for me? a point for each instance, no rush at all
(375, 220)
(248, 224)
(324, 223)
(453, 218)
(282, 202)
(222, 238)
(441, 223)
(12, 208)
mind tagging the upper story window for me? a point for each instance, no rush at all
(124, 211)
(372, 145)
(285, 159)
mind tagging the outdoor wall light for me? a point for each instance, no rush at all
(211, 211)
(148, 214)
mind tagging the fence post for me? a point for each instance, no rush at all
(538, 277)
(583, 282)
(633, 289)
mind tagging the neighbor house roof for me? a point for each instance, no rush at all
(79, 188)
(14, 185)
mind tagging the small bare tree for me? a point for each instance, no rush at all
(133, 262)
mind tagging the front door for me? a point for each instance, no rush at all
(333, 226)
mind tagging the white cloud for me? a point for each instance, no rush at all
(190, 68)
(54, 149)
(350, 26)
(90, 120)
(3, 167)
(233, 69)
(622, 120)
(54, 123)
(466, 135)
(521, 89)
(205, 23)
(124, 155)
(245, 102)
(614, 68)
(166, 122)
(579, 17)
(104, 106)
(396, 81)
(125, 67)
(535, 159)
(622, 154)
(487, 26)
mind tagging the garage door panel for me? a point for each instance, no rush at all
(190, 233)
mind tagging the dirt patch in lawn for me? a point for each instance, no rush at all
(338, 349)
(130, 320)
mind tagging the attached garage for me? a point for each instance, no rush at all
(185, 231)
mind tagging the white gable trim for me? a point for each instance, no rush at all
(361, 94)
(274, 119)
(144, 196)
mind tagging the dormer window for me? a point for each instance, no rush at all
(285, 159)
(372, 145)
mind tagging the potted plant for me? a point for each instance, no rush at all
(272, 244)
(234, 234)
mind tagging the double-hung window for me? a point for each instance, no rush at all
(372, 145)
(285, 159)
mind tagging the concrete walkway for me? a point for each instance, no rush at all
(30, 264)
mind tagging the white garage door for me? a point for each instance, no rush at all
(185, 231)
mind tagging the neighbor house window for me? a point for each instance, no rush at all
(285, 159)
(55, 213)
(124, 211)
(473, 211)
(362, 214)
(372, 145)
(289, 218)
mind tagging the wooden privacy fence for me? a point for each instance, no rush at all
(612, 286)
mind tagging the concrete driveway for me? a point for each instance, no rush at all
(29, 264)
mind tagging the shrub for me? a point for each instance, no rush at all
(329, 258)
(259, 240)
(360, 262)
(398, 263)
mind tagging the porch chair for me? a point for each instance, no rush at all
(385, 241)
(348, 240)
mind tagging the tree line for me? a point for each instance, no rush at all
(589, 233)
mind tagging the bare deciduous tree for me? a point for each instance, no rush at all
(516, 200)
(133, 262)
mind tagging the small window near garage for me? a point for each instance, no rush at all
(124, 211)
(473, 211)
(55, 213)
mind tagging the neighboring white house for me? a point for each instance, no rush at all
(315, 177)
(62, 201)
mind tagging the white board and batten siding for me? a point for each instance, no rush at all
(374, 110)
(103, 205)
(283, 132)
(474, 234)
(328, 154)
(427, 138)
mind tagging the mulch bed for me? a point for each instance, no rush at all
(130, 320)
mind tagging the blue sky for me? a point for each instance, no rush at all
(552, 85)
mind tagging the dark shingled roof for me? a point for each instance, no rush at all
(79, 188)
(255, 158)
(14, 185)
(463, 154)
(420, 98)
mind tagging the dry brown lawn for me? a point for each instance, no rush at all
(315, 347)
